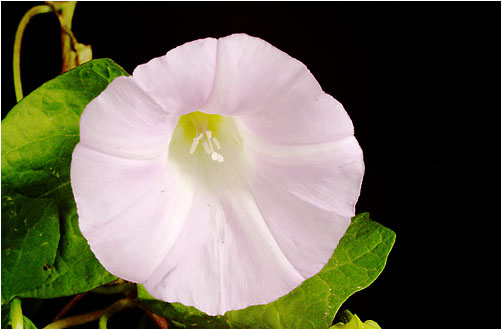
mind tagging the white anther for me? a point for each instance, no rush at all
(194, 146)
(216, 143)
(195, 142)
(200, 136)
(206, 146)
(210, 145)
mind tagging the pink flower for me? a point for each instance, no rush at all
(219, 175)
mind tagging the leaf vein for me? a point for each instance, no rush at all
(38, 140)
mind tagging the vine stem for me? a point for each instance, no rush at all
(75, 320)
(16, 314)
(118, 286)
(159, 320)
(93, 316)
(116, 307)
(64, 11)
(69, 306)
(41, 9)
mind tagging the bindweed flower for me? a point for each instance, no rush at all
(219, 175)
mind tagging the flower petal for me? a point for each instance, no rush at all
(125, 121)
(274, 94)
(182, 79)
(272, 226)
(217, 236)
(327, 175)
(130, 211)
(238, 262)
(307, 194)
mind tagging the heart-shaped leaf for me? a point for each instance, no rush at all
(38, 138)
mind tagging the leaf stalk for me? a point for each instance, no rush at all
(16, 314)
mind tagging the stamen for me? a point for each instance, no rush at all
(207, 143)
(206, 147)
(216, 143)
(195, 142)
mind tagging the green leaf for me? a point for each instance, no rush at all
(38, 138)
(357, 261)
(30, 236)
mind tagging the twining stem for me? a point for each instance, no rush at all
(16, 314)
(64, 11)
(69, 306)
(93, 316)
(116, 307)
(75, 320)
(115, 287)
(73, 52)
(41, 9)
(159, 320)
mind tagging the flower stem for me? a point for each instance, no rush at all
(42, 9)
(116, 307)
(16, 314)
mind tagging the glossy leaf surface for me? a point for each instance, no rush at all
(38, 138)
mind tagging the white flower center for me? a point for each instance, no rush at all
(215, 133)
(207, 150)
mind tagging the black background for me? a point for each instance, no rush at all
(421, 82)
